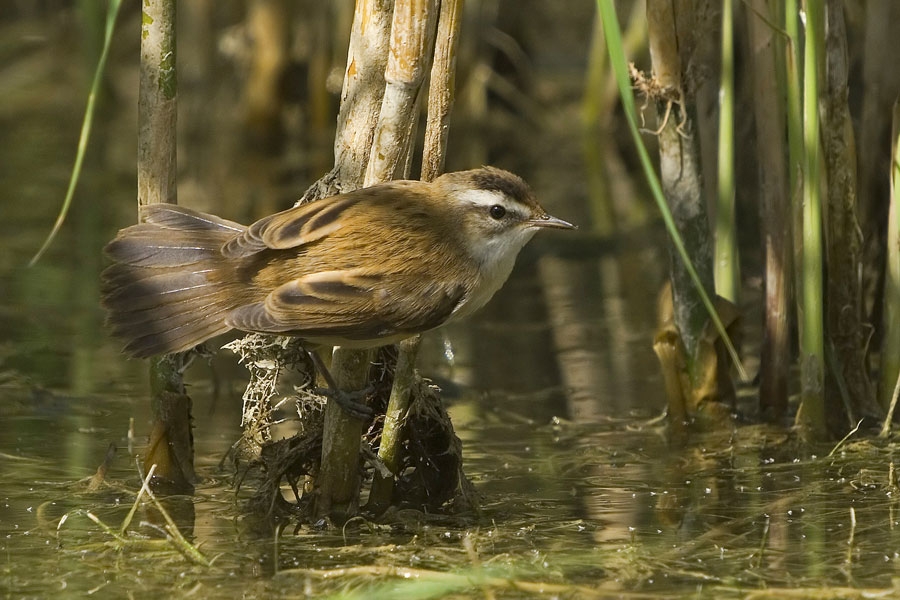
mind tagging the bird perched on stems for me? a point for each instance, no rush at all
(361, 269)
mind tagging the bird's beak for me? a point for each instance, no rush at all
(546, 220)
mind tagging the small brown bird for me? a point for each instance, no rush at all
(361, 269)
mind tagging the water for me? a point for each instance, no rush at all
(553, 390)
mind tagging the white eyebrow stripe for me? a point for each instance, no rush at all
(484, 197)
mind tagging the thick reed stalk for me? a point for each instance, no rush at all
(338, 483)
(412, 41)
(442, 89)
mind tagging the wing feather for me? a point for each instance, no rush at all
(294, 227)
(351, 306)
(313, 221)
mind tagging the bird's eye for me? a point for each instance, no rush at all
(497, 212)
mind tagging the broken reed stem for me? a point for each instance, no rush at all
(392, 433)
(145, 485)
(851, 541)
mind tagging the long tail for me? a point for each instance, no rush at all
(170, 288)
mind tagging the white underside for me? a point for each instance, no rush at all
(497, 260)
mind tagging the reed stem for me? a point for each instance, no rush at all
(811, 415)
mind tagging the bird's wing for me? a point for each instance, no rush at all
(351, 306)
(312, 221)
(293, 227)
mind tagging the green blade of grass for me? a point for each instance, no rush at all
(111, 15)
(620, 67)
(812, 318)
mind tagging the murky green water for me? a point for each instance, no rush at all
(552, 390)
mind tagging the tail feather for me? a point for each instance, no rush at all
(179, 339)
(152, 246)
(169, 287)
(179, 218)
(133, 288)
(176, 316)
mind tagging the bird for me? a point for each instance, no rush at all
(359, 269)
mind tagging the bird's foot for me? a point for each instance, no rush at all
(353, 402)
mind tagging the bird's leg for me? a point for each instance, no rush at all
(349, 401)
